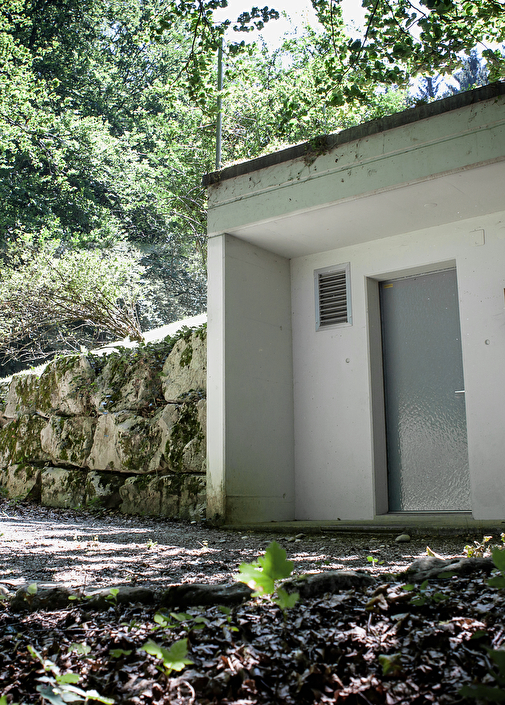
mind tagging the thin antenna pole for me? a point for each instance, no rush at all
(219, 125)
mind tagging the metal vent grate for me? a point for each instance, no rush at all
(332, 295)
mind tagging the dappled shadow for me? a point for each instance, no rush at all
(98, 550)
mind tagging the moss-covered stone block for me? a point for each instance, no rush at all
(4, 391)
(102, 489)
(130, 381)
(192, 498)
(20, 441)
(185, 440)
(62, 488)
(173, 496)
(22, 395)
(126, 443)
(186, 367)
(140, 495)
(21, 482)
(68, 440)
(65, 387)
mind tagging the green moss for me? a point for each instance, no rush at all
(137, 443)
(186, 355)
(27, 391)
(194, 484)
(21, 436)
(183, 431)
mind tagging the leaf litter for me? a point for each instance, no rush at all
(379, 644)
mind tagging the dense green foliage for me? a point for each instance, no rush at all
(107, 124)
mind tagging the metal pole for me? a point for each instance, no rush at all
(219, 126)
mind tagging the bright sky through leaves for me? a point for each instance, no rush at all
(301, 13)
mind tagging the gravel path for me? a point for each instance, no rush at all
(82, 549)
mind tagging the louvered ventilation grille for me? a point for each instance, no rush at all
(332, 298)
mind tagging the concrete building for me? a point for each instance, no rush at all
(356, 321)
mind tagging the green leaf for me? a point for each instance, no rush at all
(68, 678)
(117, 653)
(390, 664)
(181, 616)
(483, 692)
(80, 648)
(93, 695)
(497, 581)
(479, 634)
(274, 562)
(174, 659)
(51, 694)
(256, 579)
(32, 589)
(498, 657)
(286, 600)
(498, 556)
(418, 600)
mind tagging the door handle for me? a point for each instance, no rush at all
(459, 391)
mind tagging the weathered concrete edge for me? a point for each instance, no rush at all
(323, 143)
(425, 525)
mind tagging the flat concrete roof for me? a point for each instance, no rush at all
(325, 143)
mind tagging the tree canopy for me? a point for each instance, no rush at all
(107, 123)
(400, 39)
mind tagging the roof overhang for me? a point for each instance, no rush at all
(444, 162)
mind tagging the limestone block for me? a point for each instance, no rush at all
(65, 387)
(128, 383)
(21, 481)
(4, 391)
(185, 368)
(173, 496)
(20, 441)
(126, 443)
(194, 454)
(102, 488)
(68, 440)
(22, 395)
(185, 444)
(62, 488)
(140, 495)
(192, 503)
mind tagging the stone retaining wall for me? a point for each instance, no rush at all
(123, 430)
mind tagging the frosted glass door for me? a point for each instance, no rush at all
(424, 392)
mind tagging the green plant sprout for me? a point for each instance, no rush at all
(117, 653)
(59, 689)
(484, 547)
(498, 579)
(391, 665)
(374, 561)
(423, 595)
(262, 576)
(81, 649)
(164, 621)
(112, 596)
(174, 658)
(227, 613)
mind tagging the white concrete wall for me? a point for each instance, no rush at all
(250, 384)
(335, 462)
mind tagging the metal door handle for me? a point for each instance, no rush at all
(459, 391)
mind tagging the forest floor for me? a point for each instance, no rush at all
(376, 644)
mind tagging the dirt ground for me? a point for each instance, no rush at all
(96, 550)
